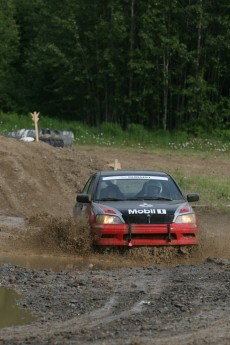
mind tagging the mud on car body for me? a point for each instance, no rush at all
(137, 208)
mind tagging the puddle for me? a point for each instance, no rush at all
(54, 263)
(100, 261)
(10, 313)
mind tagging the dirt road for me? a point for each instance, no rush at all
(141, 297)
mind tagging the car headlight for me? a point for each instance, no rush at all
(186, 219)
(106, 219)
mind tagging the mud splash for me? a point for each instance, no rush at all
(214, 233)
(71, 237)
(63, 243)
(60, 235)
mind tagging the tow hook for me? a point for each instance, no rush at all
(130, 236)
(169, 232)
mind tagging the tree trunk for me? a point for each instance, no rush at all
(166, 84)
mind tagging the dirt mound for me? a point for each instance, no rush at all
(38, 178)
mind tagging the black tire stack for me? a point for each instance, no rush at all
(55, 138)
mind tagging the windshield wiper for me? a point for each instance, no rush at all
(109, 199)
(156, 198)
(148, 198)
(136, 198)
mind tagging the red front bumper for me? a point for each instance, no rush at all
(145, 234)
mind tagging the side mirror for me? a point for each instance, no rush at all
(83, 198)
(193, 197)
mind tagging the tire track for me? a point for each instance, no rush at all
(113, 310)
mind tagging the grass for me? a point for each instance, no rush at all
(111, 135)
(214, 191)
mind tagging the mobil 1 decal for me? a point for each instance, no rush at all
(147, 211)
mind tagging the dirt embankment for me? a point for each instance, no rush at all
(141, 297)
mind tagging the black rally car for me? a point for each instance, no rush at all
(137, 208)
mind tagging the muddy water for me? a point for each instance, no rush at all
(54, 263)
(10, 313)
(137, 257)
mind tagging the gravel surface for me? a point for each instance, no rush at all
(138, 299)
(145, 305)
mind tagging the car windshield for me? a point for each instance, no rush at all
(137, 188)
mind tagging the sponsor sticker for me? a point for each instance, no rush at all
(146, 205)
(147, 211)
(135, 177)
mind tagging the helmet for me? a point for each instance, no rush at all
(153, 187)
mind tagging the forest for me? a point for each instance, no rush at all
(163, 64)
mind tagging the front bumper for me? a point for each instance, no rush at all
(145, 234)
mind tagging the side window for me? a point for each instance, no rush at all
(88, 186)
(91, 185)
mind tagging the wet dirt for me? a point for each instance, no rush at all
(79, 296)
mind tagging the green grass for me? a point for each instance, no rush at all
(213, 191)
(111, 135)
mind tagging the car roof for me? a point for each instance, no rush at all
(131, 172)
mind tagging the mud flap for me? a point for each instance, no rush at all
(169, 232)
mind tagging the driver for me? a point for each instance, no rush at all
(151, 189)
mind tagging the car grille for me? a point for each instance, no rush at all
(148, 219)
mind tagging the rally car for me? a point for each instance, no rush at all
(137, 208)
